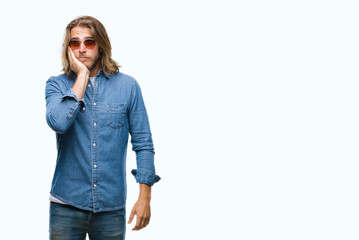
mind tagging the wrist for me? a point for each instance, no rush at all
(146, 197)
(84, 73)
(145, 192)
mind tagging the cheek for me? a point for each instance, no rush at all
(96, 56)
(98, 52)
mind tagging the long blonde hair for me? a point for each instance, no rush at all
(98, 31)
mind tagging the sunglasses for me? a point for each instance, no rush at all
(75, 44)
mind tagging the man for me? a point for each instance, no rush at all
(92, 120)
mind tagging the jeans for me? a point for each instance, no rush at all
(70, 223)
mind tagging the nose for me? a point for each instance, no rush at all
(82, 48)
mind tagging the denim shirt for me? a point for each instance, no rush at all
(92, 135)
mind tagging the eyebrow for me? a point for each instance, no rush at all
(86, 38)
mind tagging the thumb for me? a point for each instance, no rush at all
(132, 215)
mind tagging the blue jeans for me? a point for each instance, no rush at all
(70, 223)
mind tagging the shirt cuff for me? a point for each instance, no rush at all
(71, 94)
(146, 177)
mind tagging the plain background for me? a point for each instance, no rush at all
(253, 108)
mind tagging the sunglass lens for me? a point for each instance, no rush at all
(74, 44)
(90, 44)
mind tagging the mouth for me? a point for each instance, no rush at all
(82, 58)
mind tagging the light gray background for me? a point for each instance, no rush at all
(253, 107)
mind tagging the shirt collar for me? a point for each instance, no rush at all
(100, 72)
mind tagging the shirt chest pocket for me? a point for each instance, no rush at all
(115, 114)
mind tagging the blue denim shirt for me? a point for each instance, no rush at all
(92, 136)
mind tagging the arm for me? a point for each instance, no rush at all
(63, 105)
(141, 140)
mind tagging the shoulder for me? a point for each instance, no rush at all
(61, 76)
(61, 80)
(124, 79)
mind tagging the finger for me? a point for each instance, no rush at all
(143, 222)
(70, 55)
(138, 223)
(69, 52)
(147, 221)
(132, 215)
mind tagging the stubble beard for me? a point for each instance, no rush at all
(95, 64)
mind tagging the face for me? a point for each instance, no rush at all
(89, 57)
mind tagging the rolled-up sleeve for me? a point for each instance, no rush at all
(141, 139)
(62, 106)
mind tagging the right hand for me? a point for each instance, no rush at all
(75, 64)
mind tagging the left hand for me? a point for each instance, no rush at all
(142, 211)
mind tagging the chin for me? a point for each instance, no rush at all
(89, 66)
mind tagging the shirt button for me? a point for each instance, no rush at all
(89, 85)
(83, 109)
(94, 104)
(95, 166)
(77, 103)
(95, 185)
(94, 124)
(94, 144)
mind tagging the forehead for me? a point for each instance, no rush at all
(80, 33)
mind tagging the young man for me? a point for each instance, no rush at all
(93, 108)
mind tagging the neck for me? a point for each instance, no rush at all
(94, 71)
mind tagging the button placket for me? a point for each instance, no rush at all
(94, 146)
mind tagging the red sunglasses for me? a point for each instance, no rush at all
(75, 44)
